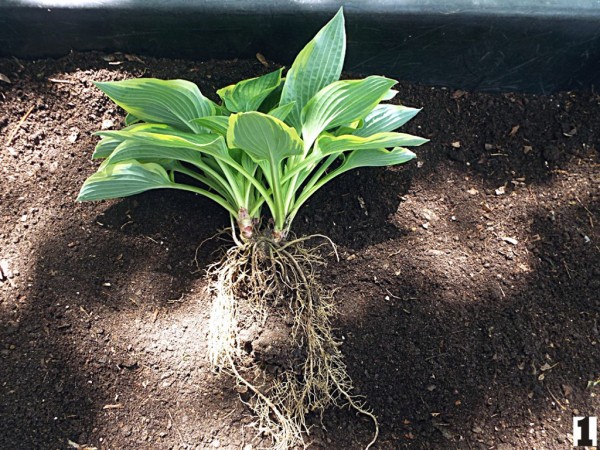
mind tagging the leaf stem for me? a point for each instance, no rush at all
(217, 183)
(315, 183)
(279, 215)
(220, 200)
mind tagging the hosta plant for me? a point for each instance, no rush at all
(261, 153)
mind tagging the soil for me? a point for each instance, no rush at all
(467, 290)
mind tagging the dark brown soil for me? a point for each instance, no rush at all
(468, 288)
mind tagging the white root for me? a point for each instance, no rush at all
(258, 273)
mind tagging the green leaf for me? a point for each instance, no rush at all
(375, 158)
(105, 147)
(130, 119)
(144, 150)
(281, 112)
(341, 103)
(328, 144)
(212, 144)
(173, 102)
(318, 64)
(272, 100)
(216, 124)
(112, 138)
(263, 137)
(125, 133)
(123, 179)
(389, 95)
(386, 118)
(248, 95)
(204, 151)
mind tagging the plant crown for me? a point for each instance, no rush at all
(272, 141)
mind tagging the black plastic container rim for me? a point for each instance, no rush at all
(487, 45)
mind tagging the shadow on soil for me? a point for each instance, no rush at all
(436, 369)
(355, 210)
(432, 369)
(440, 370)
(143, 260)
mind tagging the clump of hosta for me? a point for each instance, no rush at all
(261, 153)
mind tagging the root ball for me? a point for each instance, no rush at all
(295, 367)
